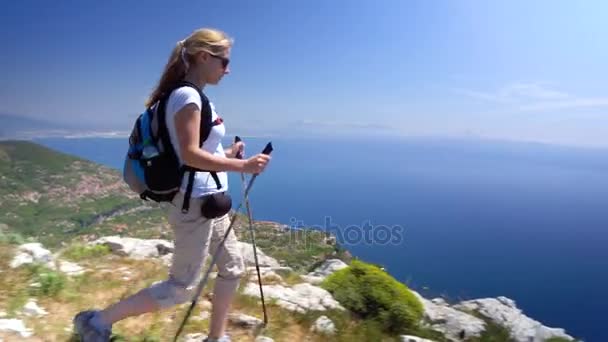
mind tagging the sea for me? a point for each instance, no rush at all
(457, 218)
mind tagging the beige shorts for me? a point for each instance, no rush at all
(196, 237)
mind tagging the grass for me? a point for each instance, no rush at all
(50, 282)
(493, 332)
(298, 249)
(78, 252)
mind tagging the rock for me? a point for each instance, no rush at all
(410, 338)
(244, 321)
(279, 269)
(31, 308)
(301, 298)
(328, 267)
(330, 240)
(324, 325)
(312, 279)
(265, 269)
(2, 314)
(504, 312)
(449, 321)
(205, 304)
(263, 259)
(167, 259)
(263, 339)
(70, 268)
(194, 337)
(136, 248)
(439, 301)
(32, 253)
(320, 273)
(15, 326)
(271, 276)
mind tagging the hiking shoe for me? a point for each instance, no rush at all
(87, 332)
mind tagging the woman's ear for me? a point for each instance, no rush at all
(202, 57)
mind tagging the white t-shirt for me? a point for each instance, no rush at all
(203, 182)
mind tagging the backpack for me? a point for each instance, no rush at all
(152, 168)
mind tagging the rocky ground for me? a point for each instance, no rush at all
(133, 263)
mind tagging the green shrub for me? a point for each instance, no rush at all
(11, 238)
(80, 252)
(371, 293)
(51, 282)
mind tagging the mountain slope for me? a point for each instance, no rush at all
(55, 197)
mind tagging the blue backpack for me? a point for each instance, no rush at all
(152, 168)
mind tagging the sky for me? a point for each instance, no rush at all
(515, 70)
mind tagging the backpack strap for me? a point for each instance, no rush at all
(205, 129)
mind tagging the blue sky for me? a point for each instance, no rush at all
(520, 70)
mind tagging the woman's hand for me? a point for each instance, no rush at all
(256, 164)
(236, 149)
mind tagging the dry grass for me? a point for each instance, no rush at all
(110, 278)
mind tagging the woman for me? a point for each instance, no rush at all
(200, 59)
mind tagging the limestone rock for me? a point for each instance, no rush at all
(15, 326)
(328, 267)
(244, 321)
(263, 339)
(31, 308)
(263, 259)
(410, 338)
(136, 248)
(300, 298)
(70, 268)
(449, 321)
(320, 273)
(324, 325)
(503, 311)
(32, 253)
(194, 337)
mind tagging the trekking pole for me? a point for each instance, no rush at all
(252, 233)
(203, 281)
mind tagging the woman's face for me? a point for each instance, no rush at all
(217, 66)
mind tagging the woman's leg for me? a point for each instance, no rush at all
(137, 304)
(191, 243)
(231, 267)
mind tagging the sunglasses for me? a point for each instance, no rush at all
(224, 60)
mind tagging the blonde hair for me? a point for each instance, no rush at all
(209, 40)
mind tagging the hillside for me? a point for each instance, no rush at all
(56, 198)
(87, 218)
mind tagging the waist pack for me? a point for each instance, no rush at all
(216, 205)
(152, 168)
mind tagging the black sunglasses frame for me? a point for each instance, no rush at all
(225, 60)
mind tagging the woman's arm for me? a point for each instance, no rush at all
(187, 126)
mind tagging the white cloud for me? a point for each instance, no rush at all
(573, 103)
(535, 97)
(343, 124)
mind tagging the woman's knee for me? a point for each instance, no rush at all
(169, 293)
(234, 269)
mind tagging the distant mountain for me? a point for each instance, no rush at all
(16, 126)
